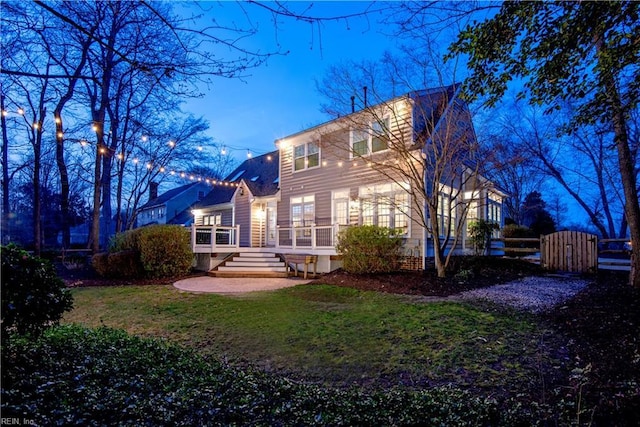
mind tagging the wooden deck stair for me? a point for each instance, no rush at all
(250, 264)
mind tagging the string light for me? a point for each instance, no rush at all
(184, 175)
(20, 111)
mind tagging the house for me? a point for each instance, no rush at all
(375, 166)
(173, 206)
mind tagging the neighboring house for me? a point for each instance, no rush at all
(173, 206)
(321, 180)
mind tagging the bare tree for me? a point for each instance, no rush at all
(430, 154)
(581, 163)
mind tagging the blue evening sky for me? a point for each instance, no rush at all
(280, 98)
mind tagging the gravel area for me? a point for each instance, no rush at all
(534, 294)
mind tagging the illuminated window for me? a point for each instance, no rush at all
(306, 156)
(341, 207)
(385, 205)
(303, 214)
(373, 140)
(446, 215)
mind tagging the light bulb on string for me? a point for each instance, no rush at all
(223, 151)
(249, 155)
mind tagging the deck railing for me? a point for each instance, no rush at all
(213, 238)
(311, 237)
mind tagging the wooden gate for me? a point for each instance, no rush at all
(571, 251)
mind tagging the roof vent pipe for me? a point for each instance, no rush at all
(365, 97)
(353, 103)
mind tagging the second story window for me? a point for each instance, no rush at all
(306, 156)
(371, 141)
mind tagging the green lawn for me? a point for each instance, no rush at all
(332, 334)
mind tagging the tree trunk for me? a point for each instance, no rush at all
(64, 179)
(5, 174)
(626, 164)
(94, 239)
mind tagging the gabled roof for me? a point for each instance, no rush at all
(168, 195)
(260, 175)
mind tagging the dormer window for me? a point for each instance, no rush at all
(306, 156)
(371, 141)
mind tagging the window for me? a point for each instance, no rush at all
(306, 156)
(237, 175)
(379, 136)
(385, 206)
(215, 219)
(341, 207)
(374, 140)
(494, 214)
(446, 215)
(359, 143)
(303, 213)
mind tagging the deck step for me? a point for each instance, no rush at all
(252, 264)
(245, 263)
(245, 274)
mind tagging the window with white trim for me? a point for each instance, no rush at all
(303, 211)
(385, 205)
(446, 215)
(215, 219)
(341, 207)
(373, 140)
(494, 214)
(306, 156)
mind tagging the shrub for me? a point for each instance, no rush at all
(480, 235)
(165, 250)
(33, 296)
(155, 251)
(125, 264)
(127, 241)
(369, 249)
(100, 263)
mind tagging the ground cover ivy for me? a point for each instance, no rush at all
(77, 376)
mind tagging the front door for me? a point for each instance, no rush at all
(271, 224)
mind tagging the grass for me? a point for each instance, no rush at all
(336, 335)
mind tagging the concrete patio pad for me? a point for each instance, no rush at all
(224, 285)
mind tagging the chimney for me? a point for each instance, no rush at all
(365, 97)
(353, 103)
(153, 190)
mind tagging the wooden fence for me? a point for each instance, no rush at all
(610, 253)
(571, 251)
